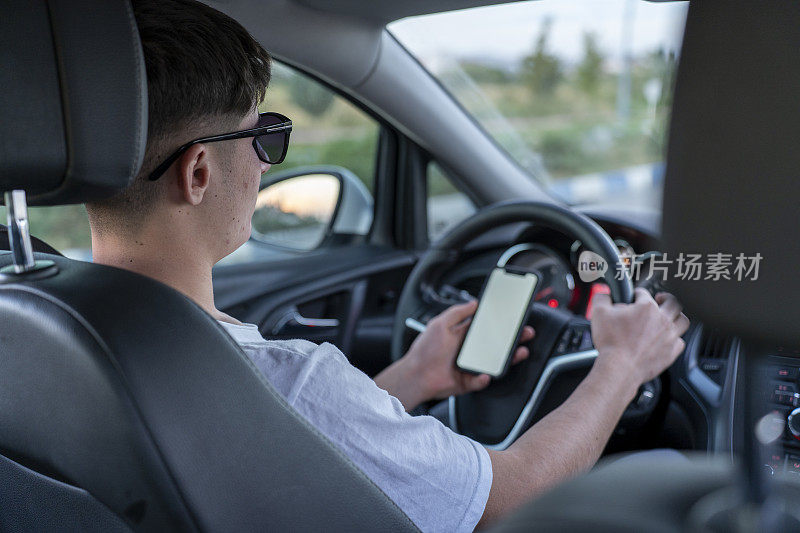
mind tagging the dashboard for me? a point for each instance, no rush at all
(783, 400)
(556, 258)
(695, 394)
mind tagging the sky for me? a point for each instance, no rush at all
(312, 195)
(507, 32)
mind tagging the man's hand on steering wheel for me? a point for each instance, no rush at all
(428, 370)
(640, 339)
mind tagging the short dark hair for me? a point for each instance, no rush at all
(202, 67)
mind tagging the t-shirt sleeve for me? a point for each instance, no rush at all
(439, 478)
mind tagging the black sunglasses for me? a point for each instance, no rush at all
(270, 141)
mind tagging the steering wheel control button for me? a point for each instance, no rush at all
(563, 343)
(586, 340)
(647, 396)
(576, 338)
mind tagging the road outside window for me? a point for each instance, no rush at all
(578, 93)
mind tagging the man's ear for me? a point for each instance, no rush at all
(194, 173)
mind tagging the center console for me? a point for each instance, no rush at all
(783, 398)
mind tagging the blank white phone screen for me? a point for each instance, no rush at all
(496, 323)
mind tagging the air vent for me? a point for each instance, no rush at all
(713, 355)
(715, 346)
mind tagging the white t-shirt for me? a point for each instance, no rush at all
(439, 478)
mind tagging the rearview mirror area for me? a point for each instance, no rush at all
(297, 212)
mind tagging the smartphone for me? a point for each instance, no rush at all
(497, 325)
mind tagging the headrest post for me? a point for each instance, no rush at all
(19, 239)
(19, 231)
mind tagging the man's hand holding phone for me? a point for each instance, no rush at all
(428, 370)
(435, 352)
(499, 321)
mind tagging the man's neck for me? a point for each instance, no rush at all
(168, 259)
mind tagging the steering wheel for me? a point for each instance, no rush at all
(497, 415)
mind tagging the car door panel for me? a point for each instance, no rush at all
(353, 290)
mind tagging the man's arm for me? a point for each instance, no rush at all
(635, 343)
(566, 442)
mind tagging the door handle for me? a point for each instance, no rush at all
(292, 315)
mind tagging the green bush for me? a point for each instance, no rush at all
(542, 71)
(563, 152)
(313, 98)
(355, 154)
(62, 227)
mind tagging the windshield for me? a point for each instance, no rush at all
(577, 92)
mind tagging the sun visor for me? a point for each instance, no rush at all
(73, 113)
(732, 186)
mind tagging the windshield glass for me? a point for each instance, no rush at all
(577, 92)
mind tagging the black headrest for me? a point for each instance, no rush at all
(73, 112)
(733, 169)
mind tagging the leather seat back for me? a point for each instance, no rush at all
(122, 387)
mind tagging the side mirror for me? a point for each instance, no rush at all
(303, 207)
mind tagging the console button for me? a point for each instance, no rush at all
(775, 464)
(776, 461)
(783, 372)
(785, 387)
(784, 394)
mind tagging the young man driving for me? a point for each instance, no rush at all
(191, 205)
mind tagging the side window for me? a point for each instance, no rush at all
(331, 138)
(447, 206)
(326, 128)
